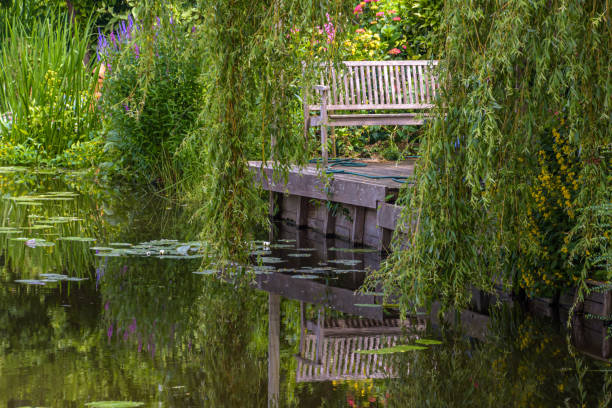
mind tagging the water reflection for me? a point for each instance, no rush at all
(147, 328)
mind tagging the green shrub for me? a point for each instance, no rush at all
(151, 96)
(394, 29)
(47, 92)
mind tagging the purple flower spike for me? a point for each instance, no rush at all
(193, 29)
(107, 306)
(132, 327)
(137, 50)
(109, 333)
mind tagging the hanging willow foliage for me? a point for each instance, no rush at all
(508, 68)
(253, 87)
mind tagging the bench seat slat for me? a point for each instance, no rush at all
(374, 107)
(376, 119)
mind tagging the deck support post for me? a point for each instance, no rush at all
(329, 223)
(301, 216)
(606, 346)
(384, 241)
(273, 350)
(274, 205)
(357, 226)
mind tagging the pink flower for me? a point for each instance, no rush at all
(404, 46)
(394, 51)
(360, 31)
(358, 9)
(380, 14)
(392, 11)
(397, 18)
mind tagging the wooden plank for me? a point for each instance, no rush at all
(334, 86)
(398, 85)
(368, 74)
(386, 87)
(384, 239)
(388, 215)
(301, 218)
(329, 223)
(391, 69)
(606, 346)
(389, 106)
(357, 228)
(423, 92)
(394, 62)
(375, 121)
(374, 77)
(346, 88)
(381, 85)
(357, 82)
(403, 80)
(411, 99)
(415, 86)
(274, 205)
(351, 86)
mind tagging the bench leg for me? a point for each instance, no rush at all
(324, 144)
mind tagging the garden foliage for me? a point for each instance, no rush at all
(46, 101)
(525, 95)
(152, 96)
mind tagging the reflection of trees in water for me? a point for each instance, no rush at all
(523, 362)
(97, 211)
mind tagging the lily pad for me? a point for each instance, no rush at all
(428, 342)
(120, 244)
(12, 169)
(348, 262)
(271, 259)
(9, 230)
(353, 250)
(261, 252)
(206, 272)
(31, 282)
(299, 255)
(390, 350)
(78, 239)
(281, 246)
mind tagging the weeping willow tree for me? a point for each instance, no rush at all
(253, 83)
(512, 73)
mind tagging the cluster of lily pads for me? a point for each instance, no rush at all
(164, 248)
(421, 344)
(46, 278)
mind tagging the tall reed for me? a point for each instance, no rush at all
(46, 91)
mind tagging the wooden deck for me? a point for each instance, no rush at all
(363, 210)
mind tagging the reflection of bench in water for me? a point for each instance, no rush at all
(328, 348)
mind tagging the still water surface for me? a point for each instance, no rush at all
(103, 298)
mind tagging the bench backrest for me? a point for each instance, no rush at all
(380, 85)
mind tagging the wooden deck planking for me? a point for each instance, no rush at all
(344, 188)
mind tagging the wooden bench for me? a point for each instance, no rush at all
(368, 86)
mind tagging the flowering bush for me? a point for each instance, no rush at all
(394, 29)
(151, 95)
(553, 216)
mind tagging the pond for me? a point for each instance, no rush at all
(103, 298)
